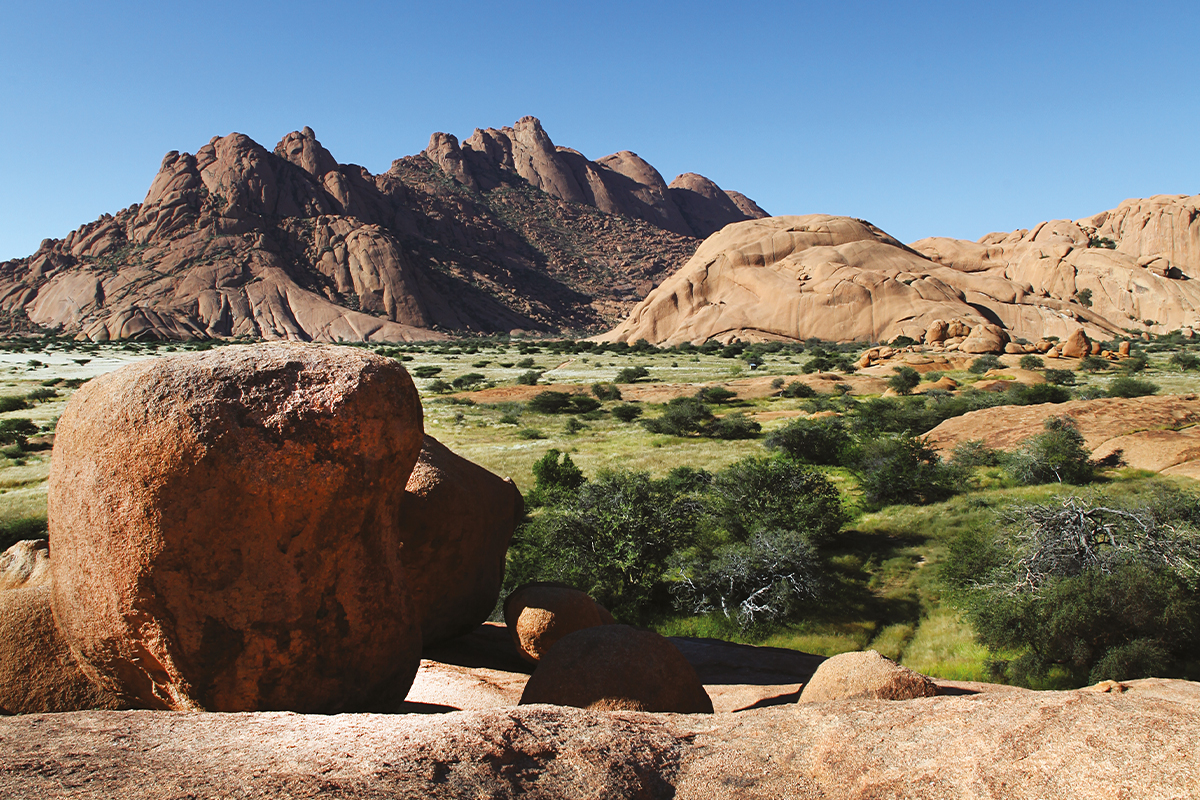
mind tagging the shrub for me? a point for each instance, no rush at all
(12, 404)
(733, 426)
(632, 375)
(904, 381)
(1056, 454)
(715, 394)
(904, 470)
(1092, 364)
(468, 381)
(574, 426)
(529, 378)
(562, 403)
(425, 371)
(1030, 361)
(554, 480)
(1060, 377)
(13, 531)
(975, 453)
(798, 389)
(1084, 297)
(681, 417)
(530, 433)
(438, 386)
(985, 363)
(1135, 363)
(1125, 386)
(606, 391)
(627, 412)
(1022, 395)
(15, 431)
(817, 441)
(775, 494)
(1092, 587)
(525, 363)
(1184, 360)
(40, 394)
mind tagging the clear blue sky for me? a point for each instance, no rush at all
(939, 118)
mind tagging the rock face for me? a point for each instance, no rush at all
(865, 675)
(456, 522)
(225, 529)
(802, 277)
(614, 667)
(289, 244)
(1138, 743)
(539, 614)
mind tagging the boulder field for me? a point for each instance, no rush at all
(838, 278)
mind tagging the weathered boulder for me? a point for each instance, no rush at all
(456, 522)
(936, 332)
(25, 565)
(539, 614)
(615, 667)
(985, 339)
(37, 671)
(225, 529)
(865, 675)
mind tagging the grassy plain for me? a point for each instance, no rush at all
(884, 590)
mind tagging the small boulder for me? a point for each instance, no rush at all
(25, 565)
(226, 529)
(985, 339)
(456, 522)
(957, 329)
(1123, 348)
(936, 332)
(616, 667)
(539, 614)
(1077, 345)
(865, 676)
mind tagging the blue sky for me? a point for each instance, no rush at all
(925, 118)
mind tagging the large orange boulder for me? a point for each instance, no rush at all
(1077, 345)
(616, 667)
(37, 671)
(865, 675)
(539, 614)
(456, 522)
(226, 529)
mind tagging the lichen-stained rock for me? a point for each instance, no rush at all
(865, 675)
(539, 614)
(456, 522)
(616, 667)
(225, 529)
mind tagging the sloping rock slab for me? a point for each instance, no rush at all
(1085, 744)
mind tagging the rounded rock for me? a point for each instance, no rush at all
(225, 529)
(616, 667)
(539, 614)
(865, 675)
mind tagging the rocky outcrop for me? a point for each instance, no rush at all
(611, 667)
(801, 277)
(226, 529)
(456, 522)
(865, 675)
(539, 614)
(1137, 743)
(504, 232)
(25, 565)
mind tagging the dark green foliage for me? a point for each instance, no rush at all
(905, 470)
(525, 363)
(17, 530)
(1185, 360)
(1022, 395)
(1092, 588)
(627, 412)
(12, 404)
(1084, 297)
(1136, 362)
(1093, 364)
(40, 394)
(632, 375)
(1060, 377)
(775, 493)
(574, 426)
(530, 433)
(1030, 361)
(562, 403)
(985, 363)
(798, 389)
(1102, 242)
(1055, 455)
(529, 378)
(554, 480)
(902, 341)
(715, 394)
(606, 391)
(1126, 386)
(15, 430)
(733, 426)
(824, 361)
(975, 453)
(682, 416)
(468, 381)
(425, 371)
(817, 441)
(904, 381)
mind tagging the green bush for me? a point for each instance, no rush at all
(905, 470)
(775, 494)
(1055, 455)
(16, 430)
(17, 530)
(1030, 361)
(817, 441)
(529, 378)
(425, 371)
(985, 363)
(1125, 386)
(12, 404)
(798, 389)
(37, 395)
(554, 481)
(606, 391)
(530, 433)
(1060, 377)
(904, 381)
(1184, 360)
(562, 403)
(468, 381)
(715, 394)
(1093, 364)
(1094, 589)
(974, 453)
(627, 412)
(525, 363)
(682, 416)
(733, 426)
(1022, 395)
(632, 375)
